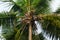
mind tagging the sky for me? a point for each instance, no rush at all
(54, 5)
(4, 6)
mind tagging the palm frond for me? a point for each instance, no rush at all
(7, 15)
(21, 3)
(42, 7)
(34, 3)
(6, 21)
(39, 37)
(51, 24)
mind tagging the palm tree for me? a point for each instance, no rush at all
(24, 20)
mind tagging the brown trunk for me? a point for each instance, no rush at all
(30, 32)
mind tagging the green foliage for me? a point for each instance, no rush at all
(8, 14)
(38, 6)
(51, 24)
(34, 3)
(53, 19)
(21, 33)
(22, 4)
(39, 37)
(7, 28)
(6, 21)
(42, 7)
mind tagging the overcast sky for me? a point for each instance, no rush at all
(5, 6)
(54, 5)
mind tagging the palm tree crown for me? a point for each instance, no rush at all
(21, 24)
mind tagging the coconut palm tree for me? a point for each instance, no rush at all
(24, 19)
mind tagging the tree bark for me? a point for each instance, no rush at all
(30, 32)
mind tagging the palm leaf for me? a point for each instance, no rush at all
(34, 3)
(43, 7)
(51, 24)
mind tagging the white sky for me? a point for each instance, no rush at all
(54, 5)
(5, 6)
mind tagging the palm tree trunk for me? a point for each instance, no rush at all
(30, 32)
